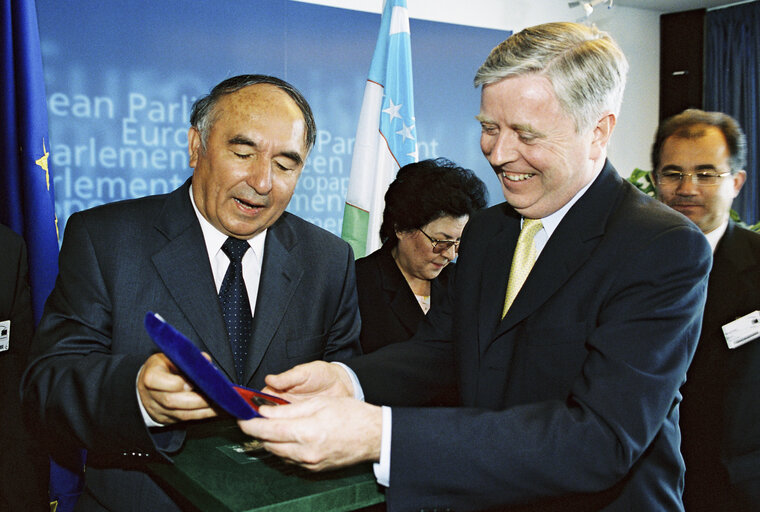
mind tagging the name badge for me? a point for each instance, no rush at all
(5, 335)
(742, 330)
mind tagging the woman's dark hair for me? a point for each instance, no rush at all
(426, 191)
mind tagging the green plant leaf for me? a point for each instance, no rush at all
(642, 180)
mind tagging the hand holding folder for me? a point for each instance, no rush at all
(239, 401)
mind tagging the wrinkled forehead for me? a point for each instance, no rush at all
(697, 131)
(261, 106)
(701, 148)
(259, 99)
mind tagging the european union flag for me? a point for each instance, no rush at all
(27, 200)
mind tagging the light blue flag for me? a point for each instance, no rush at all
(386, 137)
(392, 68)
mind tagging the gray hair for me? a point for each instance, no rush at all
(690, 124)
(585, 66)
(202, 116)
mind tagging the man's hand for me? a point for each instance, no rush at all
(320, 433)
(166, 395)
(317, 378)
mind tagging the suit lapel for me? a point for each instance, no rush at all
(184, 268)
(402, 303)
(733, 252)
(568, 248)
(496, 267)
(280, 274)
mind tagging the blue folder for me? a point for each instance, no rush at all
(239, 401)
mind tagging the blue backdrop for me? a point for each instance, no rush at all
(121, 78)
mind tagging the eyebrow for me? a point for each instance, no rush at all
(527, 129)
(241, 140)
(515, 127)
(701, 167)
(445, 236)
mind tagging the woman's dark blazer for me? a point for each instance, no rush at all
(389, 310)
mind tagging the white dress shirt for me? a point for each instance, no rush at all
(714, 236)
(219, 261)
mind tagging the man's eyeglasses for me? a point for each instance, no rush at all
(701, 178)
(440, 246)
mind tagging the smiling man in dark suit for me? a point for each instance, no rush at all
(96, 379)
(568, 383)
(698, 160)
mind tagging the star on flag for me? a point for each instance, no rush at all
(392, 110)
(43, 163)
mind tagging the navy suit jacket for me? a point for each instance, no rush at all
(571, 401)
(123, 259)
(720, 414)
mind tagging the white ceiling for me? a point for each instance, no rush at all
(673, 5)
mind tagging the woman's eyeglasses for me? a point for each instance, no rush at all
(441, 246)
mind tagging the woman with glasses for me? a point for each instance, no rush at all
(426, 209)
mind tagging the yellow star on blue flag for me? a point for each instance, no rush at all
(43, 162)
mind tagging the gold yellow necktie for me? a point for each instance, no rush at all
(522, 261)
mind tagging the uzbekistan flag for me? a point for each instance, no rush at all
(386, 138)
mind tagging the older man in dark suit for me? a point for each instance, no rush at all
(96, 379)
(568, 326)
(699, 160)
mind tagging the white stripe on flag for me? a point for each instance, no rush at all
(399, 21)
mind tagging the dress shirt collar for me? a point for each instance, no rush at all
(550, 222)
(214, 238)
(714, 236)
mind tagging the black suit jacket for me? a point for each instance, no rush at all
(122, 259)
(389, 310)
(23, 466)
(720, 414)
(571, 401)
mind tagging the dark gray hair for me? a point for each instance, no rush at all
(585, 66)
(690, 124)
(202, 116)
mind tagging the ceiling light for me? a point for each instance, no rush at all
(588, 7)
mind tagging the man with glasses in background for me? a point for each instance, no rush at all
(698, 160)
